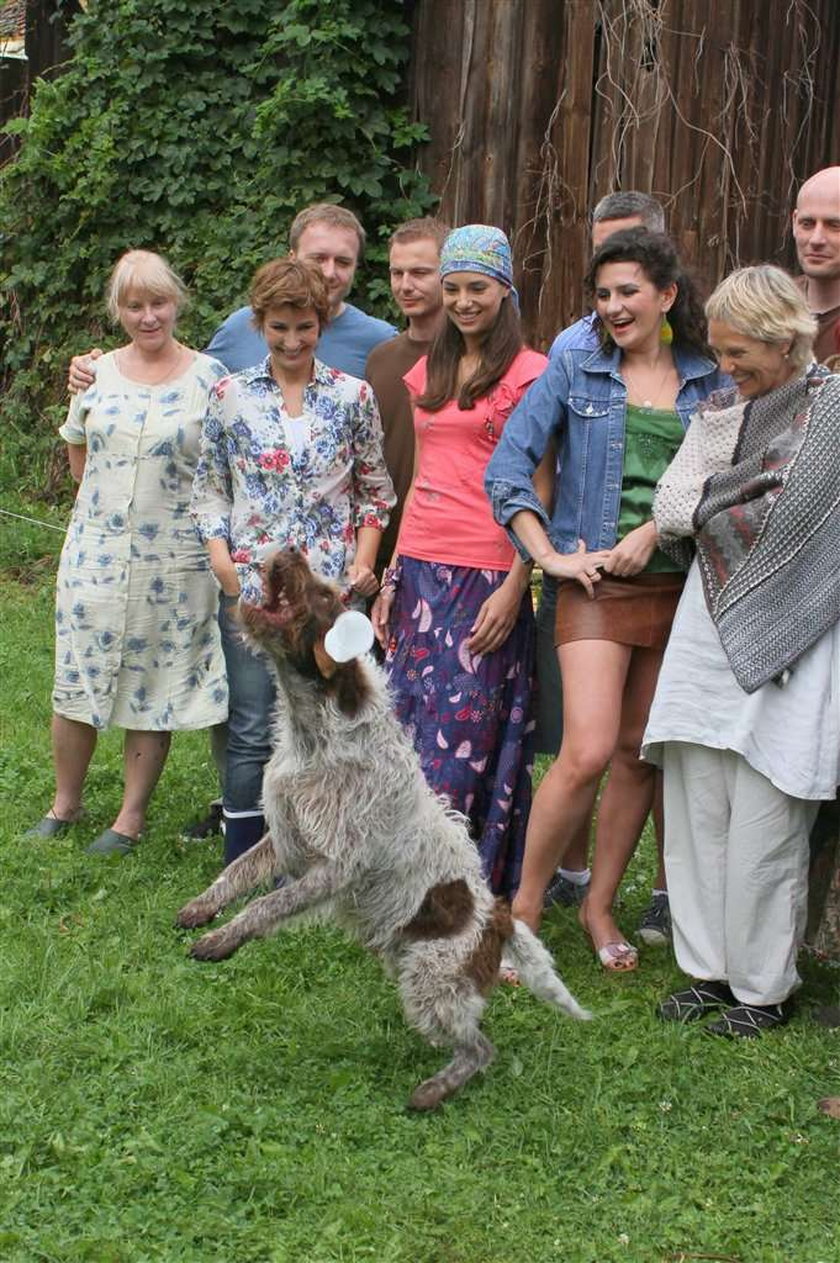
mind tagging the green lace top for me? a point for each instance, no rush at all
(651, 439)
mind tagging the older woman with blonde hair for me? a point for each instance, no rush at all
(137, 642)
(745, 720)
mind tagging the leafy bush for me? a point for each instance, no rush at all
(198, 130)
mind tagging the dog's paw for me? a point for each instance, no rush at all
(427, 1096)
(195, 913)
(218, 945)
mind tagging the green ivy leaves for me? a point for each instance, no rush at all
(198, 130)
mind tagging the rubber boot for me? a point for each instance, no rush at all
(241, 833)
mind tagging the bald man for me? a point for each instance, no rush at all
(816, 231)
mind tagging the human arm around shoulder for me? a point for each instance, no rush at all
(82, 372)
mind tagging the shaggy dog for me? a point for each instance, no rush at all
(362, 840)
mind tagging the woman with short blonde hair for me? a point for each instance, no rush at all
(137, 639)
(744, 721)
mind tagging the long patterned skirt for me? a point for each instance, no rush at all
(469, 716)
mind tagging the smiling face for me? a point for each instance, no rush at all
(630, 307)
(816, 226)
(292, 334)
(148, 319)
(755, 366)
(472, 301)
(415, 277)
(335, 251)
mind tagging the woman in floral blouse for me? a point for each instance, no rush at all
(455, 609)
(291, 457)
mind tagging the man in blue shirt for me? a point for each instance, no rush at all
(332, 238)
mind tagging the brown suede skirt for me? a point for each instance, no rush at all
(637, 611)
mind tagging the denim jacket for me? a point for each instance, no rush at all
(580, 400)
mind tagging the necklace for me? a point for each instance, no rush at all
(635, 396)
(170, 368)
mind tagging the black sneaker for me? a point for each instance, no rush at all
(209, 827)
(695, 1002)
(655, 926)
(748, 1021)
(564, 893)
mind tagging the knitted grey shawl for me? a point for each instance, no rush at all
(768, 530)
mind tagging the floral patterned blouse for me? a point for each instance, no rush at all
(308, 482)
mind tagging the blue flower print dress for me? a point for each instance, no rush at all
(137, 640)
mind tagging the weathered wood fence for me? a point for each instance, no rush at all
(537, 108)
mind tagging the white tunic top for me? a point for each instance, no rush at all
(137, 638)
(790, 734)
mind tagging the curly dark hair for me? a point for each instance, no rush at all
(657, 256)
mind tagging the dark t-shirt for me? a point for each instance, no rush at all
(386, 365)
(827, 341)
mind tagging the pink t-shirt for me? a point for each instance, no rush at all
(449, 519)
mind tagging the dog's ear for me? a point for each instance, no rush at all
(325, 664)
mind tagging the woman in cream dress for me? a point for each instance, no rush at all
(137, 640)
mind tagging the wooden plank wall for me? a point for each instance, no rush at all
(537, 108)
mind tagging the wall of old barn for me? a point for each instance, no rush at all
(537, 108)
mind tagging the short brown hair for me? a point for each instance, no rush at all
(325, 213)
(420, 230)
(289, 282)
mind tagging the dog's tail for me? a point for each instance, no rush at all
(536, 970)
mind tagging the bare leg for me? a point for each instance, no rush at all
(576, 855)
(593, 672)
(144, 755)
(246, 872)
(73, 744)
(626, 801)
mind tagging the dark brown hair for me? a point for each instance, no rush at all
(657, 256)
(498, 350)
(289, 282)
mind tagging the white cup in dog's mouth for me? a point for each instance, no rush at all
(350, 636)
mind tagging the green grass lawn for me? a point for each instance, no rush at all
(156, 1109)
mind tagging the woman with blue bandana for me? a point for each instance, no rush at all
(455, 611)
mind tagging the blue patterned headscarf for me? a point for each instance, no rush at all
(479, 248)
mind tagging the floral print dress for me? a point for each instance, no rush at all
(137, 639)
(308, 482)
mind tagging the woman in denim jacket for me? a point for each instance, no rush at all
(616, 417)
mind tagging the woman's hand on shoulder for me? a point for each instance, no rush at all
(632, 554)
(583, 566)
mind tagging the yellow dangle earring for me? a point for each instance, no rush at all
(666, 333)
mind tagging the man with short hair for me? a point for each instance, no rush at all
(816, 231)
(616, 211)
(414, 263)
(332, 238)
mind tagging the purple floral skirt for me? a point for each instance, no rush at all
(469, 717)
